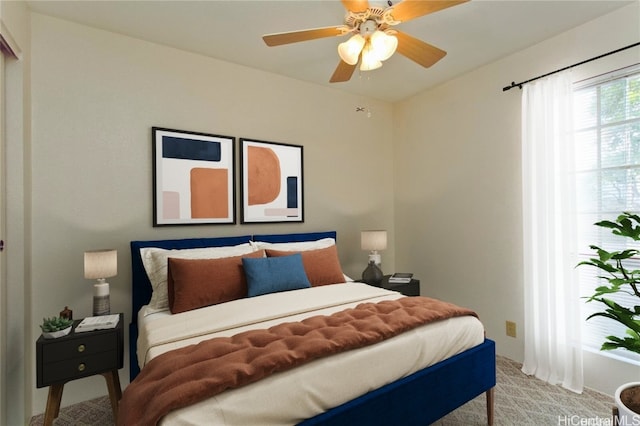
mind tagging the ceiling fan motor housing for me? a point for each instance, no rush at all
(368, 27)
(356, 19)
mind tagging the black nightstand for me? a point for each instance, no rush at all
(79, 355)
(411, 288)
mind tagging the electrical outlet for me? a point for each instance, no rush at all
(511, 329)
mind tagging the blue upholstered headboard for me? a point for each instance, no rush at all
(141, 287)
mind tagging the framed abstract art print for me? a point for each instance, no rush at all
(272, 182)
(193, 178)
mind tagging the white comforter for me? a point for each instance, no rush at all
(292, 396)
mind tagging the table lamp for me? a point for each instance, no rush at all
(100, 265)
(373, 241)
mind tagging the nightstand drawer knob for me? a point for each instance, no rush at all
(81, 367)
(81, 348)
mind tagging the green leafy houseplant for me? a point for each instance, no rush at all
(49, 325)
(620, 279)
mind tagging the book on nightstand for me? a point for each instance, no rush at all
(102, 322)
(400, 278)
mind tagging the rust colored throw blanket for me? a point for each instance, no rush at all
(191, 374)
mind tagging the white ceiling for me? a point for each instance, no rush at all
(473, 34)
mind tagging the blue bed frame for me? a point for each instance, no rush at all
(418, 399)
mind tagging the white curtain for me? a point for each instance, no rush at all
(552, 315)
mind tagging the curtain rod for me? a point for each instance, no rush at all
(519, 85)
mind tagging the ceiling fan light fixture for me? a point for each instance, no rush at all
(369, 59)
(349, 51)
(383, 45)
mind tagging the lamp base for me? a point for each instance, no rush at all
(375, 258)
(372, 275)
(101, 303)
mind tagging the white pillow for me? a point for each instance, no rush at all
(299, 246)
(155, 262)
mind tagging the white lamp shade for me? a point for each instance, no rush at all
(369, 60)
(373, 240)
(383, 45)
(100, 264)
(349, 51)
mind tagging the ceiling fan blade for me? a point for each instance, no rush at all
(303, 35)
(410, 9)
(356, 5)
(417, 50)
(343, 72)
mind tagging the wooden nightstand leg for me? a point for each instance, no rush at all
(115, 392)
(53, 403)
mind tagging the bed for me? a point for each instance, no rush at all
(433, 384)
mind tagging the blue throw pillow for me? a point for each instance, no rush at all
(272, 274)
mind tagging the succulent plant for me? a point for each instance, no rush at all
(55, 324)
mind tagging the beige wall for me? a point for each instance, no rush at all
(458, 168)
(95, 97)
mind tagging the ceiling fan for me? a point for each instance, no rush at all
(373, 37)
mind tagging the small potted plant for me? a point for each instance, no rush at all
(620, 279)
(55, 327)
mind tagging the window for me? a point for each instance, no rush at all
(607, 150)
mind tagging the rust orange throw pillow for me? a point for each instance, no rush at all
(322, 265)
(195, 283)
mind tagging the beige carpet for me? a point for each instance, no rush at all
(519, 400)
(526, 401)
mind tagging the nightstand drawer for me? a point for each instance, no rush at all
(408, 289)
(412, 288)
(74, 368)
(79, 346)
